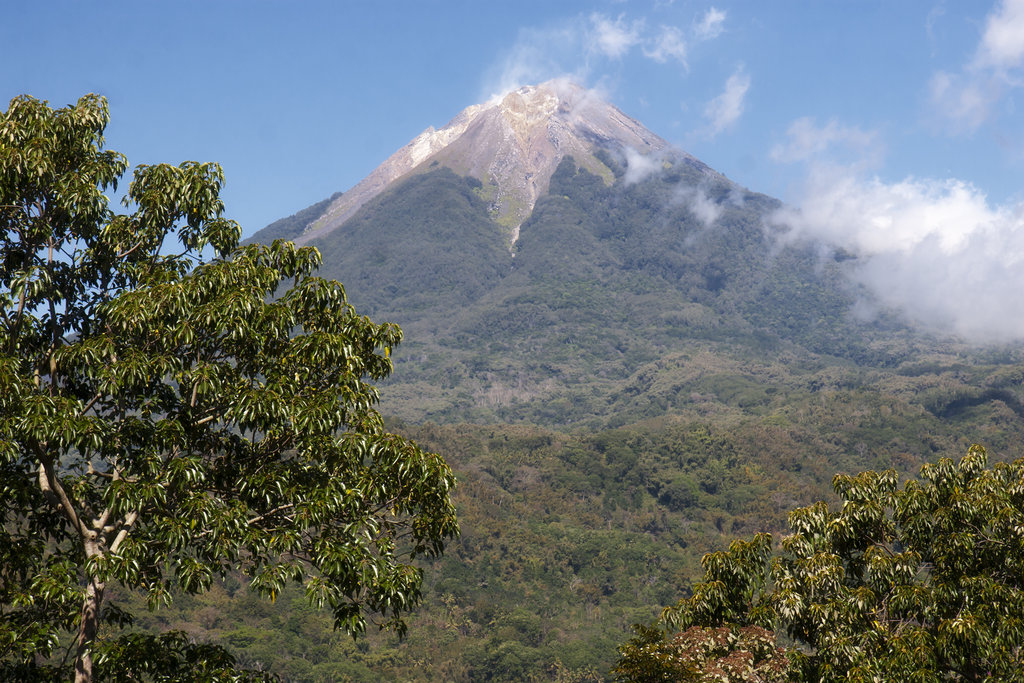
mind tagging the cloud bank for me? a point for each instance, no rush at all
(935, 249)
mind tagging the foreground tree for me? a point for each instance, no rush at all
(922, 583)
(167, 415)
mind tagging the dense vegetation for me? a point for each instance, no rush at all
(567, 540)
(919, 582)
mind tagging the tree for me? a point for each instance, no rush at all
(922, 583)
(167, 415)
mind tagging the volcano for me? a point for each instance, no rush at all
(543, 249)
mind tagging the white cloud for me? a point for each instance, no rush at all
(930, 21)
(577, 48)
(935, 249)
(711, 25)
(668, 44)
(1002, 45)
(639, 166)
(965, 100)
(706, 210)
(613, 38)
(723, 111)
(539, 54)
(806, 141)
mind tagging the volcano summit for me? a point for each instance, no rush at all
(512, 144)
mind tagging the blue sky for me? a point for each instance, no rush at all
(889, 127)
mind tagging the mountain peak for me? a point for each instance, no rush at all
(512, 143)
(529, 107)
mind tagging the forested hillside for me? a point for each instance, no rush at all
(570, 538)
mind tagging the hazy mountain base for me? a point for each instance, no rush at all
(676, 383)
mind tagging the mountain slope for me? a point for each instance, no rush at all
(630, 252)
(603, 280)
(401, 247)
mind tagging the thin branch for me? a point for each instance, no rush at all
(90, 404)
(92, 472)
(14, 324)
(125, 254)
(129, 522)
(100, 522)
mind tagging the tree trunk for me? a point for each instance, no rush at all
(87, 630)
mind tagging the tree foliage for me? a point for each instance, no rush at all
(169, 414)
(921, 583)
